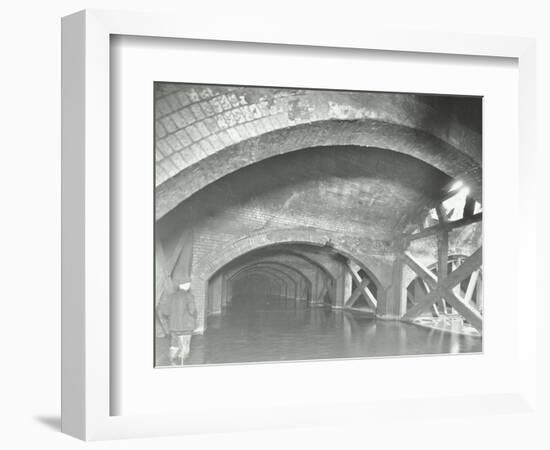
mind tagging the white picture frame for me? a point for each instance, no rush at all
(87, 385)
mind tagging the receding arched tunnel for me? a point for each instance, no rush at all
(283, 281)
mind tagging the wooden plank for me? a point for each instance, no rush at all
(422, 305)
(353, 298)
(354, 274)
(471, 287)
(441, 302)
(442, 257)
(420, 270)
(470, 264)
(360, 291)
(447, 226)
(434, 306)
(466, 311)
(362, 285)
(441, 214)
(371, 300)
(479, 294)
(440, 290)
(421, 285)
(457, 290)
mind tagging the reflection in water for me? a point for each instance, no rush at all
(277, 330)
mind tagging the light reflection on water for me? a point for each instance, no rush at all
(252, 330)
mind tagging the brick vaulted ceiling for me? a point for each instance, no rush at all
(344, 189)
(204, 133)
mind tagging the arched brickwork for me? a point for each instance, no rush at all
(287, 258)
(317, 260)
(272, 280)
(311, 259)
(285, 280)
(293, 273)
(289, 282)
(288, 253)
(204, 133)
(310, 268)
(339, 244)
(214, 261)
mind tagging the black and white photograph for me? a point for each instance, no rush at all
(251, 225)
(297, 224)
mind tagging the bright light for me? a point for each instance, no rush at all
(454, 205)
(477, 208)
(456, 186)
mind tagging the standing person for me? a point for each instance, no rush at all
(182, 320)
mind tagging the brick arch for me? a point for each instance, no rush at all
(310, 259)
(215, 260)
(273, 278)
(272, 273)
(312, 266)
(363, 134)
(212, 262)
(367, 268)
(204, 133)
(277, 266)
(272, 269)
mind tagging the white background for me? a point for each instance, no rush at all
(29, 386)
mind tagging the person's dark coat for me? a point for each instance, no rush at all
(182, 312)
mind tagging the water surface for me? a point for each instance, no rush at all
(271, 329)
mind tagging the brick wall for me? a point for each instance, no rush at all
(206, 132)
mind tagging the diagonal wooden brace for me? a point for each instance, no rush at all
(470, 314)
(429, 278)
(445, 227)
(362, 286)
(444, 289)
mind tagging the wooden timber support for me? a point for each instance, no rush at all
(442, 287)
(444, 226)
(361, 290)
